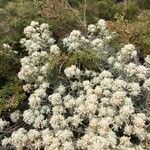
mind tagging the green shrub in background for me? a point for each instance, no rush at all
(96, 9)
(4, 2)
(144, 4)
(9, 66)
(60, 16)
(129, 10)
(107, 9)
(15, 16)
(75, 3)
(11, 92)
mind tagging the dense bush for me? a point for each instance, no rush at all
(80, 92)
(15, 16)
(107, 9)
(60, 16)
(84, 109)
(95, 9)
(129, 10)
(144, 4)
(11, 93)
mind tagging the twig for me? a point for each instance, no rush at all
(62, 65)
(84, 13)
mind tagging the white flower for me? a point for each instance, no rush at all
(69, 102)
(118, 97)
(27, 87)
(34, 101)
(106, 83)
(6, 141)
(105, 74)
(54, 49)
(98, 90)
(111, 60)
(134, 88)
(68, 146)
(128, 129)
(70, 71)
(51, 41)
(119, 85)
(118, 66)
(57, 121)
(28, 31)
(15, 116)
(28, 116)
(139, 120)
(126, 110)
(131, 69)
(34, 23)
(147, 59)
(125, 142)
(3, 124)
(6, 46)
(141, 72)
(40, 92)
(44, 85)
(101, 24)
(75, 120)
(55, 99)
(146, 84)
(33, 134)
(75, 33)
(40, 78)
(58, 109)
(64, 135)
(44, 69)
(61, 89)
(40, 122)
(91, 28)
(97, 43)
(74, 46)
(44, 26)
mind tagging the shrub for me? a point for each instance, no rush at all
(144, 4)
(98, 9)
(14, 18)
(107, 9)
(129, 10)
(84, 109)
(9, 65)
(11, 93)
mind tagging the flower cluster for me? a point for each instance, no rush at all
(3, 123)
(9, 49)
(96, 39)
(39, 46)
(89, 110)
